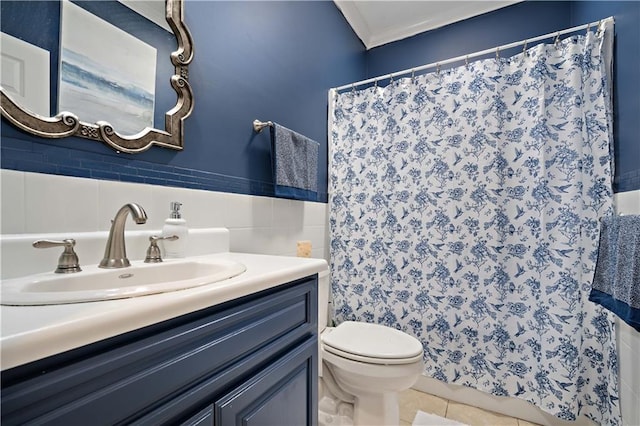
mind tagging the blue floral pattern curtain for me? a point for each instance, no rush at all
(464, 210)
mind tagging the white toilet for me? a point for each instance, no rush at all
(363, 367)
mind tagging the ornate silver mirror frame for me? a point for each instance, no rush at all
(67, 124)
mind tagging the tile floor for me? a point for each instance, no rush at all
(411, 401)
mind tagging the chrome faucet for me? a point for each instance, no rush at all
(115, 253)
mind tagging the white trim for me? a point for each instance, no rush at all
(353, 16)
(434, 14)
(454, 15)
(508, 406)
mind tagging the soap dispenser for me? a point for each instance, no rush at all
(175, 225)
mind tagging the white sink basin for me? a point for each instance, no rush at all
(96, 284)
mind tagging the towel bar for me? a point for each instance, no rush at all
(259, 125)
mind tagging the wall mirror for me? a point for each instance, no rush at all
(165, 102)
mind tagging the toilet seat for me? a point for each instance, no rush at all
(372, 343)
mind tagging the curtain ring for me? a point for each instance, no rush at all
(390, 78)
(413, 75)
(438, 68)
(353, 89)
(497, 54)
(524, 52)
(588, 28)
(599, 30)
(375, 84)
(466, 61)
(557, 40)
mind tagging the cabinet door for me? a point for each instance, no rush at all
(283, 394)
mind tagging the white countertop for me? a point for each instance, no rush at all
(30, 333)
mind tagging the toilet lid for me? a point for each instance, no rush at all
(372, 341)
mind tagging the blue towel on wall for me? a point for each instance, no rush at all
(294, 160)
(616, 282)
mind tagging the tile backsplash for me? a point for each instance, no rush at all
(35, 203)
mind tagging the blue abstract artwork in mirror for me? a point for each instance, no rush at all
(105, 73)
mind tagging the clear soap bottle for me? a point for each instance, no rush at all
(175, 225)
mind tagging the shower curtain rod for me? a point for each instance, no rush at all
(497, 50)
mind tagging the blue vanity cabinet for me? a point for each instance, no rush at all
(250, 361)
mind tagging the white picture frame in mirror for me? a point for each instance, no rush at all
(25, 73)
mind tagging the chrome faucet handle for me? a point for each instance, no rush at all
(68, 261)
(153, 252)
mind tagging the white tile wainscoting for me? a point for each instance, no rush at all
(35, 203)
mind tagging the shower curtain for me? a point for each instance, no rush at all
(464, 210)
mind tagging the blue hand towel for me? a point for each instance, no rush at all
(616, 282)
(294, 160)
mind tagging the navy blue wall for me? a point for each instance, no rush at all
(527, 20)
(265, 60)
(276, 60)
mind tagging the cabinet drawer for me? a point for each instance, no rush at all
(121, 379)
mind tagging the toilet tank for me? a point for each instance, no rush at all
(324, 287)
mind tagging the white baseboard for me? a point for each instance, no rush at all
(512, 407)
